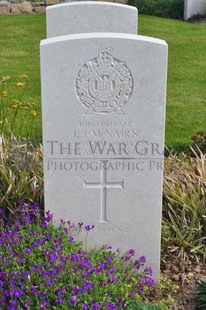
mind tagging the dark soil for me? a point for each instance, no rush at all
(198, 20)
(187, 277)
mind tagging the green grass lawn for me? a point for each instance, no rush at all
(186, 96)
(186, 90)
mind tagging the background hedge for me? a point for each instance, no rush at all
(162, 8)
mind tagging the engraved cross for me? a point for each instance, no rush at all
(103, 185)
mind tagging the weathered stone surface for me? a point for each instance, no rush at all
(37, 4)
(4, 10)
(90, 16)
(4, 4)
(16, 1)
(39, 9)
(103, 104)
(21, 8)
(51, 2)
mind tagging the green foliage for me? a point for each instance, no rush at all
(14, 108)
(162, 8)
(136, 305)
(48, 268)
(21, 173)
(20, 38)
(184, 212)
(201, 296)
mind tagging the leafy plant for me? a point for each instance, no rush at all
(136, 305)
(162, 8)
(11, 107)
(43, 267)
(201, 296)
(21, 173)
(184, 211)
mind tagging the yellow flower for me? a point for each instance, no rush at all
(33, 113)
(14, 106)
(20, 84)
(25, 108)
(145, 289)
(5, 78)
(31, 105)
(5, 94)
(24, 76)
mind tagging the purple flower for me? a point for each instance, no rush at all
(26, 275)
(60, 292)
(28, 251)
(88, 285)
(74, 258)
(88, 227)
(132, 295)
(36, 243)
(110, 294)
(65, 230)
(19, 293)
(112, 307)
(53, 258)
(60, 300)
(73, 300)
(50, 282)
(12, 307)
(110, 259)
(34, 290)
(140, 291)
(44, 304)
(95, 305)
(108, 247)
(142, 259)
(132, 252)
(85, 273)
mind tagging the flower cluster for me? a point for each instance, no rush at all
(43, 267)
(14, 108)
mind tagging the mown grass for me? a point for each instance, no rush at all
(19, 54)
(186, 99)
(186, 93)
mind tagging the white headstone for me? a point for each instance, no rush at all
(103, 98)
(90, 16)
(194, 7)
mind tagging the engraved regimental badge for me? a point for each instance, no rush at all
(104, 84)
